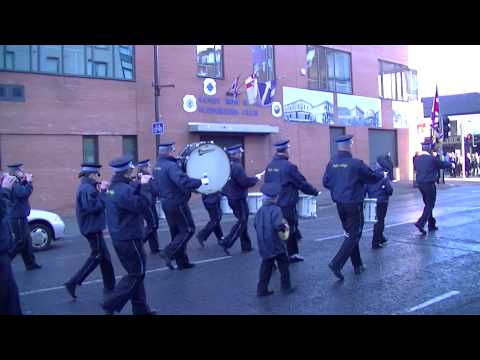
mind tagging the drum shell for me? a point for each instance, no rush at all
(226, 209)
(370, 211)
(255, 201)
(307, 206)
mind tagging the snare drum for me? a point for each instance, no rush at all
(226, 209)
(307, 206)
(206, 158)
(254, 202)
(370, 211)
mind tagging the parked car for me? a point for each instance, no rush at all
(45, 227)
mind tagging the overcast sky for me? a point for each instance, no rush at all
(455, 68)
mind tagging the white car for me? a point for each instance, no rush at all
(45, 226)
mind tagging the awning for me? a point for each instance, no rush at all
(460, 104)
(232, 128)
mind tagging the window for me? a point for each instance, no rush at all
(329, 70)
(263, 62)
(397, 82)
(90, 149)
(50, 58)
(210, 61)
(102, 61)
(12, 93)
(130, 146)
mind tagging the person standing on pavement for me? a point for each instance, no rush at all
(236, 190)
(269, 222)
(174, 188)
(346, 178)
(427, 166)
(151, 217)
(125, 205)
(21, 191)
(9, 296)
(212, 205)
(90, 212)
(282, 171)
(381, 191)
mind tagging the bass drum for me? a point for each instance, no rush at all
(206, 158)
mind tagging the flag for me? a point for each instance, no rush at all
(251, 88)
(266, 92)
(435, 117)
(234, 89)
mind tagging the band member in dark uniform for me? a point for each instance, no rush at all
(90, 211)
(381, 191)
(125, 208)
(282, 171)
(174, 188)
(427, 167)
(236, 190)
(212, 205)
(346, 178)
(21, 191)
(143, 168)
(9, 297)
(269, 222)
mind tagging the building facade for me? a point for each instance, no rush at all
(61, 105)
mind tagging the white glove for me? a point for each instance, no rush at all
(145, 179)
(205, 180)
(260, 175)
(453, 166)
(385, 174)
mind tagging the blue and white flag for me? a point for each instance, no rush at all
(266, 91)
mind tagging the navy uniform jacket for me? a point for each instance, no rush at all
(427, 166)
(346, 177)
(90, 207)
(125, 208)
(285, 173)
(149, 191)
(172, 184)
(6, 240)
(212, 199)
(268, 222)
(380, 190)
(237, 186)
(21, 191)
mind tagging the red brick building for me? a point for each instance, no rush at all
(63, 104)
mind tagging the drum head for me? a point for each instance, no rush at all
(211, 160)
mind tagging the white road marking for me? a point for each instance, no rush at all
(117, 277)
(434, 300)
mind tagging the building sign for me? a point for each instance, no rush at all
(307, 106)
(189, 103)
(276, 109)
(358, 111)
(158, 128)
(220, 106)
(209, 87)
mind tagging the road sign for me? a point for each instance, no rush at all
(158, 128)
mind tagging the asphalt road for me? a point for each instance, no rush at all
(435, 274)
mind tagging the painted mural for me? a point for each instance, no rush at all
(358, 111)
(308, 106)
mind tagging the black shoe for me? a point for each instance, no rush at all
(289, 290)
(247, 250)
(422, 230)
(167, 260)
(201, 241)
(33, 266)
(295, 259)
(71, 289)
(359, 269)
(336, 272)
(225, 249)
(432, 228)
(384, 240)
(107, 291)
(377, 246)
(185, 266)
(105, 310)
(264, 293)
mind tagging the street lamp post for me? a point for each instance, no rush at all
(156, 94)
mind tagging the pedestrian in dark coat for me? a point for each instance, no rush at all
(90, 211)
(212, 205)
(381, 191)
(236, 190)
(125, 208)
(269, 222)
(21, 191)
(346, 178)
(9, 296)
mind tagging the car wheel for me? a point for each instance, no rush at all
(42, 236)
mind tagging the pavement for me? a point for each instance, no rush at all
(413, 274)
